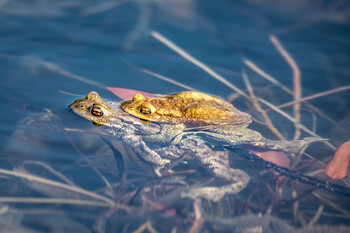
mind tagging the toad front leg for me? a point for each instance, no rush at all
(169, 134)
(146, 153)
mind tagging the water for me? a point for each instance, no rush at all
(51, 48)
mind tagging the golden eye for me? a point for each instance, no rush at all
(96, 111)
(145, 110)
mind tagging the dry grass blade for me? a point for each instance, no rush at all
(268, 77)
(195, 61)
(47, 168)
(59, 185)
(3, 2)
(332, 204)
(296, 81)
(302, 127)
(317, 216)
(41, 200)
(321, 94)
(257, 106)
(55, 68)
(295, 204)
(198, 221)
(101, 7)
(146, 226)
(169, 80)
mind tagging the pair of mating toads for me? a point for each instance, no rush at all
(163, 129)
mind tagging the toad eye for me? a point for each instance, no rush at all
(145, 110)
(96, 110)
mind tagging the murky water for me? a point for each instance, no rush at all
(52, 52)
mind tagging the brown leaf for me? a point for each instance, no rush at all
(337, 168)
(125, 94)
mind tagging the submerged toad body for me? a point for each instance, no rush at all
(162, 130)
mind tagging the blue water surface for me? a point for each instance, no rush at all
(53, 52)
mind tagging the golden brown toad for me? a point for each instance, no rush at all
(192, 112)
(189, 107)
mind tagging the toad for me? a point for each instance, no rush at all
(192, 112)
(163, 130)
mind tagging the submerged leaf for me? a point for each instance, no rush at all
(276, 157)
(337, 168)
(125, 94)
